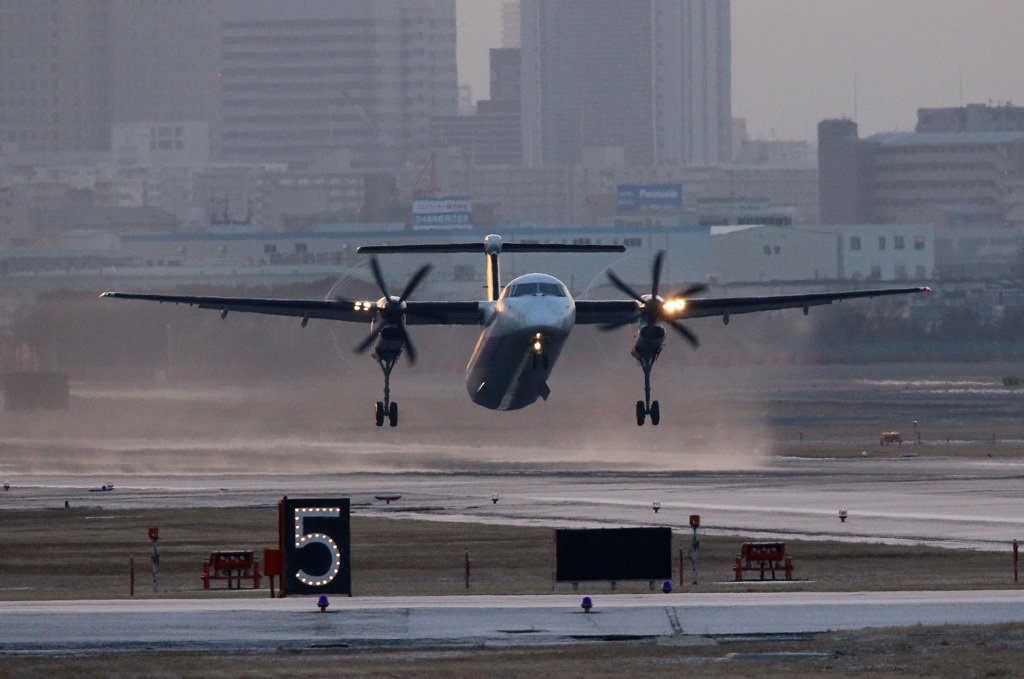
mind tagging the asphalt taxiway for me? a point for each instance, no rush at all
(296, 622)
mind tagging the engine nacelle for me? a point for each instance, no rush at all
(648, 342)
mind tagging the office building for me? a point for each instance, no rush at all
(361, 77)
(648, 80)
(55, 75)
(353, 83)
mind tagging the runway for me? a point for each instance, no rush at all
(296, 622)
(944, 502)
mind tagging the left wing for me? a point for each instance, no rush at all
(609, 311)
(419, 313)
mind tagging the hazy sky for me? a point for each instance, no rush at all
(795, 62)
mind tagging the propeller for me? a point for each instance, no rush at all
(393, 312)
(654, 309)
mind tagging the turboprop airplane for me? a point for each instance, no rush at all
(525, 324)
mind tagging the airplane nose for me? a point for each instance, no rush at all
(544, 318)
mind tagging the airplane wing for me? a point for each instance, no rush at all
(593, 312)
(419, 313)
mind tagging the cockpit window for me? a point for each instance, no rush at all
(552, 289)
(527, 289)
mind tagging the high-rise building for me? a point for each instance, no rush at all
(648, 80)
(493, 135)
(273, 81)
(166, 56)
(365, 76)
(55, 75)
(510, 25)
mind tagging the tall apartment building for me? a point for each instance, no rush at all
(510, 26)
(166, 64)
(274, 81)
(649, 78)
(365, 76)
(55, 75)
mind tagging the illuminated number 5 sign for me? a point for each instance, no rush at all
(314, 538)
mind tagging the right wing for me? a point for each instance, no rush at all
(613, 311)
(419, 313)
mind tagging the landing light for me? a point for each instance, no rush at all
(536, 346)
(675, 305)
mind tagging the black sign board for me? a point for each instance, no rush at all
(315, 542)
(616, 554)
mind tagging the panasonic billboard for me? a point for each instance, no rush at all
(634, 197)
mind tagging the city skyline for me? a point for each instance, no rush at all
(885, 60)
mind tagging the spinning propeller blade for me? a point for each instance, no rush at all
(392, 313)
(652, 307)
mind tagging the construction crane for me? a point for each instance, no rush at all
(427, 185)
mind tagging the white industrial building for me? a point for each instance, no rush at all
(851, 252)
(723, 256)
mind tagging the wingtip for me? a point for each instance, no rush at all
(106, 294)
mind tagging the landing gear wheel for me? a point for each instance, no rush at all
(544, 361)
(393, 414)
(641, 413)
(655, 413)
(378, 414)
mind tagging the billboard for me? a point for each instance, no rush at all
(442, 213)
(315, 542)
(632, 197)
(613, 554)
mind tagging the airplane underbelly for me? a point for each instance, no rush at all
(506, 373)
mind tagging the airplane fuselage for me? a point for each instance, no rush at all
(523, 336)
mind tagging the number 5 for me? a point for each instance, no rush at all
(303, 539)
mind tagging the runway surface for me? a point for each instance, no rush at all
(297, 622)
(946, 502)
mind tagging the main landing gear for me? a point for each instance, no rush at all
(387, 408)
(647, 407)
(389, 411)
(642, 411)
